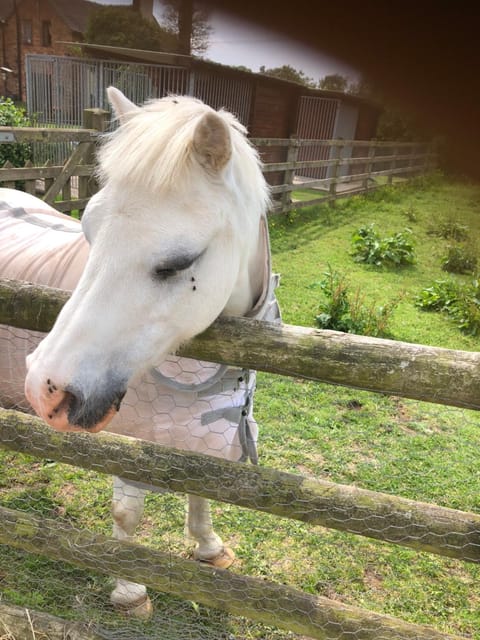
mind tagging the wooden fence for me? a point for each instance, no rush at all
(70, 185)
(354, 166)
(432, 374)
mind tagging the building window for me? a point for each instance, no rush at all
(46, 34)
(27, 31)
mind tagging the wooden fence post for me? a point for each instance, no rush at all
(47, 181)
(10, 184)
(337, 152)
(92, 119)
(289, 175)
(371, 154)
(30, 184)
(411, 153)
(393, 165)
(430, 157)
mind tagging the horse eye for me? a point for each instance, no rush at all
(163, 273)
(170, 269)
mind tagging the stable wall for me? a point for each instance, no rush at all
(13, 48)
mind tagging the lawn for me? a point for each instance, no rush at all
(416, 450)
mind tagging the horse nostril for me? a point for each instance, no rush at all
(88, 413)
(64, 405)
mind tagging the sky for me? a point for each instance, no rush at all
(241, 43)
(237, 43)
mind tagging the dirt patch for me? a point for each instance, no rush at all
(372, 579)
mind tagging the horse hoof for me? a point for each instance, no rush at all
(223, 560)
(141, 609)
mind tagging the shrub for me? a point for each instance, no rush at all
(124, 27)
(438, 296)
(461, 302)
(460, 259)
(394, 251)
(450, 230)
(344, 310)
(13, 116)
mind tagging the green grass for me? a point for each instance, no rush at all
(417, 450)
(305, 243)
(303, 195)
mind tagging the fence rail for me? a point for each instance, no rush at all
(69, 185)
(260, 600)
(408, 523)
(443, 376)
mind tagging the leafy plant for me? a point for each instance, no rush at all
(344, 310)
(410, 213)
(460, 259)
(13, 116)
(461, 302)
(438, 297)
(394, 251)
(450, 229)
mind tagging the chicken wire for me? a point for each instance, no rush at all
(420, 451)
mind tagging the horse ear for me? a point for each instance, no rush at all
(123, 108)
(211, 142)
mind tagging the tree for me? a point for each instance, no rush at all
(123, 27)
(364, 89)
(334, 82)
(190, 22)
(242, 67)
(17, 154)
(394, 123)
(286, 72)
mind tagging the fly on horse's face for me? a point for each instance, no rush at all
(173, 237)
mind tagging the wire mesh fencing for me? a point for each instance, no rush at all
(309, 525)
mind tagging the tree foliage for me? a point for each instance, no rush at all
(334, 82)
(287, 72)
(394, 123)
(124, 27)
(13, 116)
(189, 21)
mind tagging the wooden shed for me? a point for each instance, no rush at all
(273, 105)
(269, 107)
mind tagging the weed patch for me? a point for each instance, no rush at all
(345, 310)
(391, 251)
(460, 259)
(450, 229)
(460, 301)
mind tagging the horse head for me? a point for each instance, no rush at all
(174, 237)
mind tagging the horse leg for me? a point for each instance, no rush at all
(210, 548)
(127, 510)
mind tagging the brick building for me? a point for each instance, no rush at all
(36, 26)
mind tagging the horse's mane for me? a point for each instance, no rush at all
(153, 150)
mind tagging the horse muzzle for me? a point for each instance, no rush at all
(68, 409)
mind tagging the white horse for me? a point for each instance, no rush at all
(177, 236)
